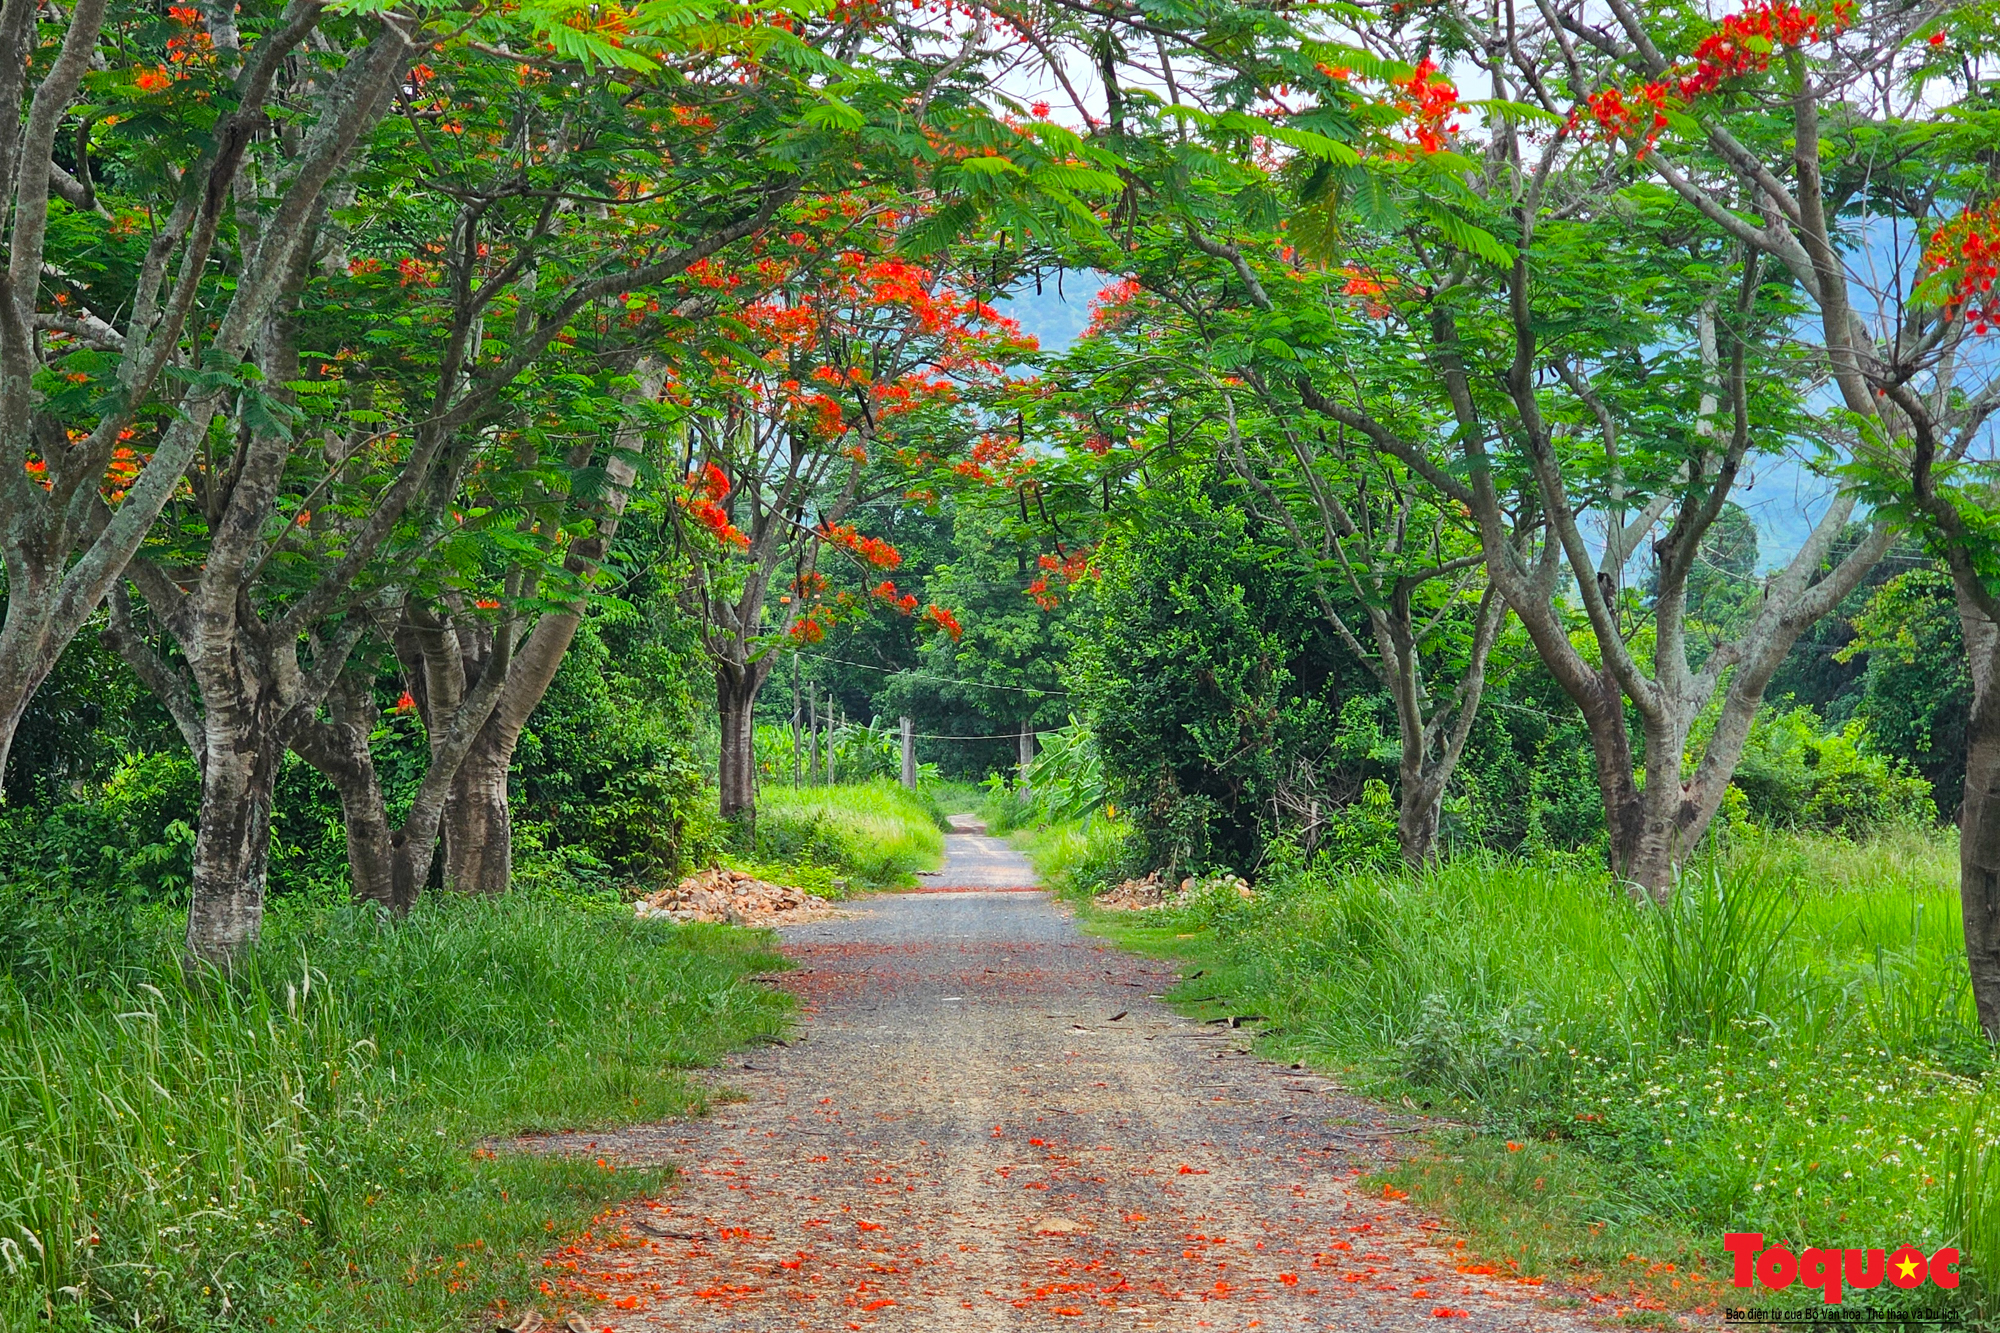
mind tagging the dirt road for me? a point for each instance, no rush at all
(986, 1122)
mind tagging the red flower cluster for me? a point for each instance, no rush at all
(1744, 42)
(886, 591)
(1966, 252)
(1430, 101)
(873, 550)
(706, 492)
(807, 629)
(1743, 45)
(1110, 306)
(1638, 114)
(1369, 286)
(1072, 566)
(939, 618)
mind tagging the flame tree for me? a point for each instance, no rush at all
(853, 373)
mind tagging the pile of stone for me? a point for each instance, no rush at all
(1139, 895)
(717, 894)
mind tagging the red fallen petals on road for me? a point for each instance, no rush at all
(1475, 1268)
(1187, 1170)
(1391, 1192)
(881, 1304)
(1446, 1312)
(867, 1226)
(1289, 1279)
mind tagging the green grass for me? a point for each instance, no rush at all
(298, 1147)
(1790, 1049)
(955, 798)
(1076, 856)
(876, 833)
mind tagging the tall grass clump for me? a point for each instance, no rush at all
(1788, 1045)
(878, 832)
(1971, 1201)
(1077, 856)
(296, 1145)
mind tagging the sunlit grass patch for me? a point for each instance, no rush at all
(876, 832)
(298, 1146)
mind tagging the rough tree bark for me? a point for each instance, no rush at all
(1979, 622)
(252, 686)
(736, 688)
(1979, 826)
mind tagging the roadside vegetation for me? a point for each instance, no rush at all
(299, 1145)
(1785, 1047)
(870, 835)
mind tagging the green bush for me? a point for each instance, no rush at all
(1797, 775)
(605, 778)
(1187, 677)
(134, 840)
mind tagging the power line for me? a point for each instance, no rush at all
(926, 675)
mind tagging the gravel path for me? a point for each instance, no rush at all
(986, 1122)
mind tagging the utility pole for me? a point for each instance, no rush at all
(796, 719)
(812, 718)
(1027, 754)
(909, 757)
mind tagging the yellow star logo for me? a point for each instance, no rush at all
(1908, 1268)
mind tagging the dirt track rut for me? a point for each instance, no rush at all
(986, 1122)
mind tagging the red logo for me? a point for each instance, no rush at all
(1777, 1267)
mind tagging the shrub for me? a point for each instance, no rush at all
(1797, 775)
(605, 776)
(135, 840)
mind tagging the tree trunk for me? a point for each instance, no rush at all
(735, 698)
(1419, 811)
(26, 656)
(1979, 822)
(478, 822)
(232, 850)
(381, 860)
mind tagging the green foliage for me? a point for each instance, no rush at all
(1703, 962)
(1917, 690)
(1078, 857)
(1187, 679)
(604, 772)
(1798, 776)
(294, 1147)
(877, 832)
(134, 840)
(1065, 781)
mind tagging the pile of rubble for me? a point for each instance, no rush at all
(732, 896)
(1139, 895)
